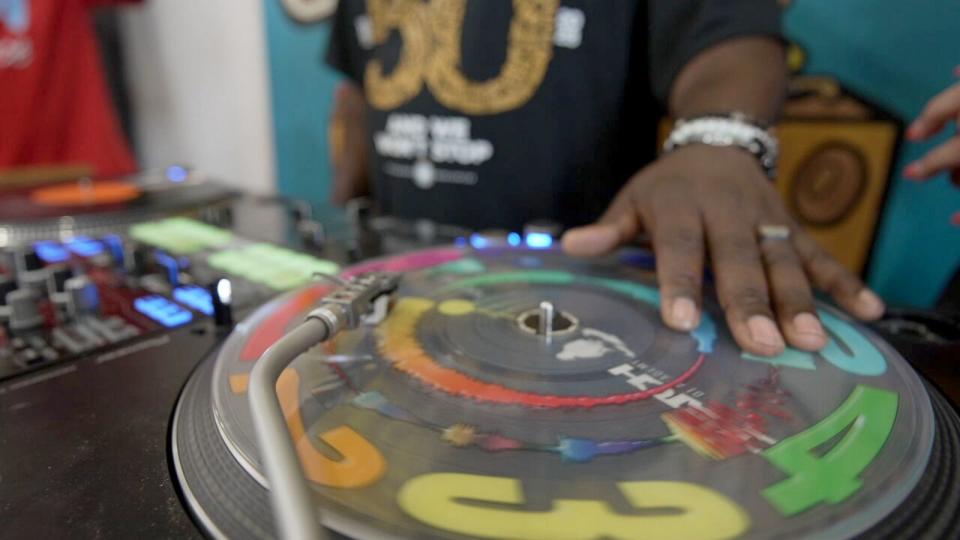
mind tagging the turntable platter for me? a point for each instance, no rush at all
(86, 207)
(464, 414)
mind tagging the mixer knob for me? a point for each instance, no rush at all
(7, 285)
(28, 260)
(57, 278)
(8, 263)
(82, 296)
(30, 271)
(221, 296)
(24, 312)
(136, 259)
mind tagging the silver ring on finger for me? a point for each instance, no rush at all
(772, 232)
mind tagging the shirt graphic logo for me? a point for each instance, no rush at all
(430, 57)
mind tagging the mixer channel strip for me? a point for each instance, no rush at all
(64, 299)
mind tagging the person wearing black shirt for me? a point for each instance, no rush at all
(492, 113)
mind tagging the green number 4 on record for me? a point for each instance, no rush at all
(868, 415)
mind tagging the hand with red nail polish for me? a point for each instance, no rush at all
(941, 110)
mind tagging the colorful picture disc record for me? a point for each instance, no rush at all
(81, 195)
(461, 415)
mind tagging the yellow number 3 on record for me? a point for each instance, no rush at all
(690, 511)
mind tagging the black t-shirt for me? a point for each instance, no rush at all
(492, 113)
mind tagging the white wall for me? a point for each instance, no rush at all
(197, 76)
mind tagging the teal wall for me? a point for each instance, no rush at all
(897, 54)
(301, 91)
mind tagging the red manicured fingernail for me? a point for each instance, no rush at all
(914, 131)
(955, 219)
(914, 171)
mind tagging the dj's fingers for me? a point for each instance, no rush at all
(618, 225)
(742, 285)
(940, 159)
(944, 107)
(792, 296)
(829, 275)
(678, 244)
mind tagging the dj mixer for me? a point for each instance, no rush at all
(505, 391)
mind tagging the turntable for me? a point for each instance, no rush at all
(517, 393)
(92, 207)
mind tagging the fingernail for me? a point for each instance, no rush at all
(764, 332)
(956, 71)
(806, 323)
(683, 313)
(809, 330)
(591, 239)
(870, 305)
(914, 131)
(955, 219)
(914, 171)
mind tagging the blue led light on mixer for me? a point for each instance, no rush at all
(170, 265)
(51, 252)
(162, 310)
(84, 246)
(537, 240)
(176, 173)
(478, 241)
(514, 239)
(115, 245)
(194, 297)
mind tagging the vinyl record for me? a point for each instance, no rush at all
(95, 207)
(459, 417)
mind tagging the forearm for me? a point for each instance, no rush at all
(348, 145)
(747, 75)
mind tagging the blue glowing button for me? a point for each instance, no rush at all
(51, 252)
(169, 265)
(538, 240)
(514, 239)
(176, 173)
(115, 245)
(84, 246)
(162, 310)
(490, 238)
(194, 297)
(478, 241)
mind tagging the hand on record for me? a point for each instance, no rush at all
(701, 201)
(940, 111)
